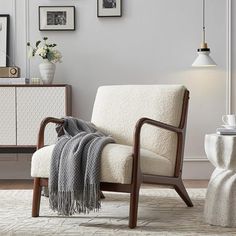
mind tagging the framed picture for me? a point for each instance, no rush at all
(56, 18)
(4, 39)
(109, 8)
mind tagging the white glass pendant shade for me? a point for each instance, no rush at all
(203, 59)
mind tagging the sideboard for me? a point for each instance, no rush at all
(23, 107)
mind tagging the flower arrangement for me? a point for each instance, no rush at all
(45, 50)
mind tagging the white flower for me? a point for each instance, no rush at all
(56, 56)
(45, 50)
(41, 52)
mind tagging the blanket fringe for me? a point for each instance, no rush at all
(71, 202)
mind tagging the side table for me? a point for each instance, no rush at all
(220, 203)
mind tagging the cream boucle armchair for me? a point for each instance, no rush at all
(154, 155)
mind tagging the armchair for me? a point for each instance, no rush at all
(148, 123)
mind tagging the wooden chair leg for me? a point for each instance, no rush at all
(181, 190)
(36, 197)
(133, 210)
(102, 195)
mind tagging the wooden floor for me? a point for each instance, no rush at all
(28, 184)
(16, 184)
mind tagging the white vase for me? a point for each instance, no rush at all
(47, 71)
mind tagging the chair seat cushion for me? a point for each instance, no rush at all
(116, 163)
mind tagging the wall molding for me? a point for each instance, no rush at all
(19, 168)
(13, 51)
(229, 58)
(196, 160)
(27, 32)
(197, 168)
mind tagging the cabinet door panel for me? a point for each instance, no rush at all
(33, 105)
(7, 116)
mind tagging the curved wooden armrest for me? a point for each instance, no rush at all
(180, 131)
(43, 125)
(156, 123)
(137, 132)
(159, 124)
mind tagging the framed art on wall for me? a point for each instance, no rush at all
(4, 38)
(56, 18)
(109, 8)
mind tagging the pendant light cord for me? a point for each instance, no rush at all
(203, 22)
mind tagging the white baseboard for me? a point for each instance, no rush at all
(15, 170)
(197, 168)
(193, 168)
(15, 166)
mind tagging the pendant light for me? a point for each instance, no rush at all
(203, 59)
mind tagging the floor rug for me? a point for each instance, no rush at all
(161, 212)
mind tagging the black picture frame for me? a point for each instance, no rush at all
(56, 18)
(109, 11)
(4, 39)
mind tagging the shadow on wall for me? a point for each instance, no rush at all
(202, 79)
(206, 106)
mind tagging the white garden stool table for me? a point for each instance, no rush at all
(220, 204)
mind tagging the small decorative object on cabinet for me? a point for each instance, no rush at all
(24, 107)
(4, 38)
(49, 55)
(9, 72)
(47, 71)
(106, 8)
(220, 204)
(57, 18)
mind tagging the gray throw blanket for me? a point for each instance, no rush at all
(74, 181)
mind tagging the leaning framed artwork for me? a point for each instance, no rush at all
(56, 18)
(4, 39)
(109, 8)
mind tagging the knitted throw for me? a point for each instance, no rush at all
(74, 180)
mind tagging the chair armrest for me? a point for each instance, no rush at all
(43, 125)
(159, 124)
(156, 123)
(136, 148)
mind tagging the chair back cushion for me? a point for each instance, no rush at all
(117, 109)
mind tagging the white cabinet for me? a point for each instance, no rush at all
(7, 116)
(24, 107)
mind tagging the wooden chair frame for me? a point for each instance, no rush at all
(137, 176)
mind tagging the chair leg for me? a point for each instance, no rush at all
(36, 197)
(133, 210)
(102, 195)
(181, 190)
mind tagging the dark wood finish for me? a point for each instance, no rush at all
(137, 176)
(36, 197)
(43, 182)
(17, 149)
(125, 188)
(28, 184)
(176, 180)
(43, 124)
(68, 105)
(181, 136)
(181, 190)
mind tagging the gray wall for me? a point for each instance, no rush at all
(154, 42)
